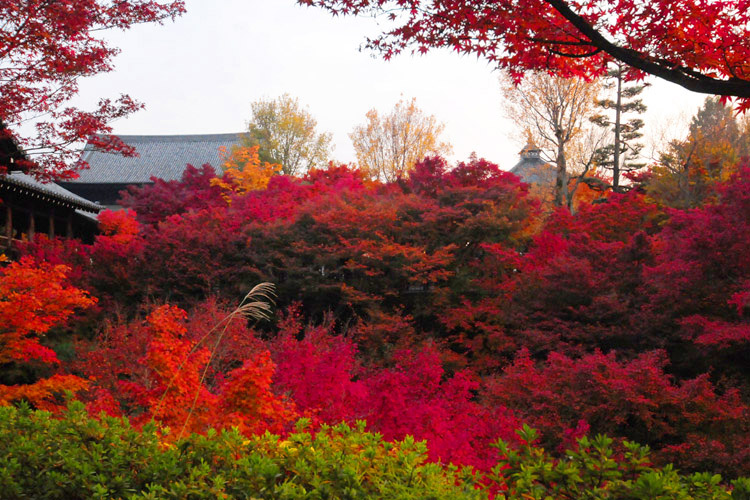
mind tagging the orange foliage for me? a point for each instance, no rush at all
(121, 226)
(244, 171)
(247, 402)
(178, 396)
(585, 194)
(40, 394)
(33, 299)
(177, 389)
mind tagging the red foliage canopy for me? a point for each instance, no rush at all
(630, 319)
(702, 46)
(155, 202)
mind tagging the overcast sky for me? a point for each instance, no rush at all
(199, 75)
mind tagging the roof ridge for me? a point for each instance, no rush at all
(173, 137)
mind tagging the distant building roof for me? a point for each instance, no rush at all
(161, 156)
(49, 191)
(532, 169)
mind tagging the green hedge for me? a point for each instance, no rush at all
(597, 471)
(81, 457)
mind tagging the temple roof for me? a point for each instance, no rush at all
(532, 169)
(47, 191)
(161, 156)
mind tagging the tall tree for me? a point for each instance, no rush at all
(389, 146)
(702, 46)
(45, 48)
(285, 133)
(619, 155)
(553, 110)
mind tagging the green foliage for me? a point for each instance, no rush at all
(618, 155)
(599, 470)
(80, 457)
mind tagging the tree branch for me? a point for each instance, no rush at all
(683, 76)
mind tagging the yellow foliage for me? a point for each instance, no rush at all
(286, 134)
(388, 146)
(244, 171)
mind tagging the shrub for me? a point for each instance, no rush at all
(77, 456)
(81, 457)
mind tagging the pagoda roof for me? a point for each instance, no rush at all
(532, 168)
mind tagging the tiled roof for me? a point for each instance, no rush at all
(162, 156)
(49, 190)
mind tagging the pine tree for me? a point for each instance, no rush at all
(619, 156)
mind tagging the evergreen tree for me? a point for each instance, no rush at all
(619, 156)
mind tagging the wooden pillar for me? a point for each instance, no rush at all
(32, 226)
(51, 232)
(8, 224)
(69, 225)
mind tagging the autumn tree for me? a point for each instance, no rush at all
(688, 167)
(34, 297)
(155, 202)
(171, 382)
(554, 111)
(636, 399)
(388, 146)
(702, 46)
(285, 133)
(45, 49)
(243, 170)
(619, 154)
(718, 137)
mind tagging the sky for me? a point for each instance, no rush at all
(199, 75)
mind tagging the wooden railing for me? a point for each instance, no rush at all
(6, 242)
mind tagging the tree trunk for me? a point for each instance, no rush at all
(561, 184)
(618, 112)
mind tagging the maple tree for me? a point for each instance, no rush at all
(702, 46)
(319, 371)
(447, 306)
(417, 398)
(703, 266)
(34, 297)
(635, 399)
(244, 172)
(155, 202)
(177, 380)
(388, 146)
(45, 48)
